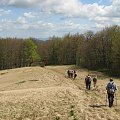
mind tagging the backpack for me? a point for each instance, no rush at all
(88, 80)
(111, 88)
(94, 79)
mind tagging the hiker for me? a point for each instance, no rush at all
(88, 82)
(68, 72)
(94, 81)
(74, 74)
(111, 88)
(71, 73)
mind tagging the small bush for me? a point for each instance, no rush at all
(57, 118)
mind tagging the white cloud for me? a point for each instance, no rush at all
(116, 20)
(100, 15)
(100, 25)
(71, 8)
(22, 23)
(44, 25)
(39, 25)
(73, 27)
(21, 20)
(28, 15)
(100, 19)
(116, 2)
(4, 12)
(70, 25)
(6, 24)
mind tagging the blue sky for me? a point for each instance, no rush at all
(45, 18)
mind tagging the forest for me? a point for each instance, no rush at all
(95, 51)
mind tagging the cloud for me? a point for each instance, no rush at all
(115, 2)
(6, 24)
(22, 23)
(116, 20)
(98, 15)
(4, 12)
(21, 20)
(70, 25)
(112, 11)
(28, 15)
(71, 8)
(22, 3)
(99, 25)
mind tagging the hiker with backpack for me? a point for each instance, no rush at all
(88, 82)
(74, 74)
(68, 72)
(94, 81)
(111, 89)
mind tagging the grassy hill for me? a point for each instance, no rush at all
(35, 93)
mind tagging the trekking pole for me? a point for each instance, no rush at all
(106, 99)
(116, 98)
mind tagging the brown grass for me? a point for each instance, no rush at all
(47, 93)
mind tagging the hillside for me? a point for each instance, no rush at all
(35, 93)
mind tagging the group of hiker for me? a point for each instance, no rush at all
(88, 81)
(72, 74)
(111, 87)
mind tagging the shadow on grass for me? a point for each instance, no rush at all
(33, 80)
(3, 73)
(97, 106)
(21, 82)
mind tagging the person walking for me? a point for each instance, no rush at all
(68, 72)
(74, 74)
(111, 89)
(95, 81)
(88, 82)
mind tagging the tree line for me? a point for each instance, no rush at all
(17, 53)
(95, 51)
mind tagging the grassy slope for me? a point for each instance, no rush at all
(43, 93)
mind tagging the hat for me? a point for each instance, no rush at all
(111, 79)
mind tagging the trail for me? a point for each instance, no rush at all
(96, 104)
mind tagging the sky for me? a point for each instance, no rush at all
(45, 18)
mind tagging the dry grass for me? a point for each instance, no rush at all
(47, 94)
